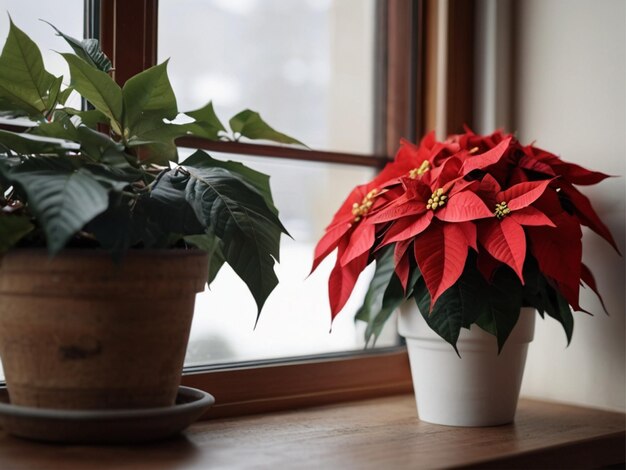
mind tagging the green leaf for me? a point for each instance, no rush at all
(12, 229)
(148, 96)
(372, 302)
(125, 224)
(446, 319)
(213, 246)
(168, 206)
(113, 228)
(90, 118)
(98, 88)
(392, 299)
(154, 141)
(249, 124)
(61, 127)
(209, 125)
(473, 294)
(487, 322)
(460, 305)
(53, 94)
(383, 297)
(27, 144)
(12, 108)
(504, 301)
(239, 216)
(24, 82)
(255, 179)
(96, 144)
(116, 176)
(64, 95)
(87, 49)
(62, 197)
(557, 307)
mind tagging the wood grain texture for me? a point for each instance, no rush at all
(285, 152)
(460, 70)
(382, 433)
(128, 34)
(400, 109)
(303, 383)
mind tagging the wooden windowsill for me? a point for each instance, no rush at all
(379, 433)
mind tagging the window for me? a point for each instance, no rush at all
(308, 67)
(402, 53)
(238, 16)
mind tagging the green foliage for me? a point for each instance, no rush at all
(101, 177)
(240, 217)
(539, 293)
(493, 306)
(61, 195)
(383, 297)
(212, 245)
(148, 96)
(98, 88)
(249, 124)
(26, 87)
(209, 125)
(88, 50)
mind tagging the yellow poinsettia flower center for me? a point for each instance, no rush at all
(417, 172)
(360, 210)
(502, 210)
(473, 150)
(437, 200)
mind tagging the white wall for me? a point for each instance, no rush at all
(570, 98)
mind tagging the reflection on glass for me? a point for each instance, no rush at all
(296, 318)
(306, 65)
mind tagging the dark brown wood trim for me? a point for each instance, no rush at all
(128, 34)
(457, 96)
(379, 124)
(400, 72)
(460, 65)
(13, 127)
(310, 382)
(291, 153)
(420, 70)
(430, 74)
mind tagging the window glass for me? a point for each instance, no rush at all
(296, 318)
(68, 16)
(306, 65)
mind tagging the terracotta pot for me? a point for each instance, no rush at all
(79, 331)
(481, 387)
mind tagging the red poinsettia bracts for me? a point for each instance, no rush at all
(488, 196)
(503, 236)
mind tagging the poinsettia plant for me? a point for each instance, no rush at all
(107, 176)
(472, 228)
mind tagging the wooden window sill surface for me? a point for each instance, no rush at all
(379, 433)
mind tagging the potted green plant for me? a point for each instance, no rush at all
(105, 238)
(480, 231)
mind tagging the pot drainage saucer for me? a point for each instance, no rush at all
(104, 426)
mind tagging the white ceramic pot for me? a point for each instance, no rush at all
(480, 388)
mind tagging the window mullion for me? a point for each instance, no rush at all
(128, 32)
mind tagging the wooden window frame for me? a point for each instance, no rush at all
(409, 53)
